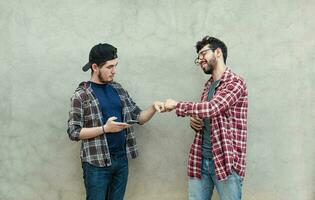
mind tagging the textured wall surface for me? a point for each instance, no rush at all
(44, 44)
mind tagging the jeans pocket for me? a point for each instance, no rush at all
(238, 177)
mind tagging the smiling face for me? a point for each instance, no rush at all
(207, 59)
(212, 55)
(104, 73)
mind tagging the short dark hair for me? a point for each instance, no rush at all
(214, 43)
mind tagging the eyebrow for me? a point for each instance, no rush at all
(112, 65)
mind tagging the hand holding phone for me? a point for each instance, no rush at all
(112, 127)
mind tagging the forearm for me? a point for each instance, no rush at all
(88, 133)
(146, 114)
(201, 110)
(220, 103)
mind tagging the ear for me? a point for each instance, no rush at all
(218, 52)
(94, 67)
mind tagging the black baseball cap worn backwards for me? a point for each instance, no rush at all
(100, 53)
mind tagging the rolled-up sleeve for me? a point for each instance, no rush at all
(75, 121)
(220, 102)
(133, 108)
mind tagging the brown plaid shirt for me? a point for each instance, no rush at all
(85, 113)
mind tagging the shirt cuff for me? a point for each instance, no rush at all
(180, 109)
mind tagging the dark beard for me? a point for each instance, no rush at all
(100, 78)
(211, 65)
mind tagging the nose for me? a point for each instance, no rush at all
(201, 56)
(114, 70)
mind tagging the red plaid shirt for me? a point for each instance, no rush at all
(228, 113)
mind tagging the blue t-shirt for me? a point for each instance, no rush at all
(110, 106)
(206, 130)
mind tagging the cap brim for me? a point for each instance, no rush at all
(86, 67)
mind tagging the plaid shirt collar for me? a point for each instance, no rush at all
(225, 76)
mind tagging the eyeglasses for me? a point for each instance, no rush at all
(201, 54)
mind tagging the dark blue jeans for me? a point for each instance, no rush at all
(107, 183)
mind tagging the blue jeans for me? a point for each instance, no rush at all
(202, 189)
(107, 183)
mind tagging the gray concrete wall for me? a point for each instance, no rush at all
(44, 44)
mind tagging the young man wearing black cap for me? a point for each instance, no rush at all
(100, 116)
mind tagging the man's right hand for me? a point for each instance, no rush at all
(196, 123)
(112, 127)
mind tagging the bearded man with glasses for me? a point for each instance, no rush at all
(217, 155)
